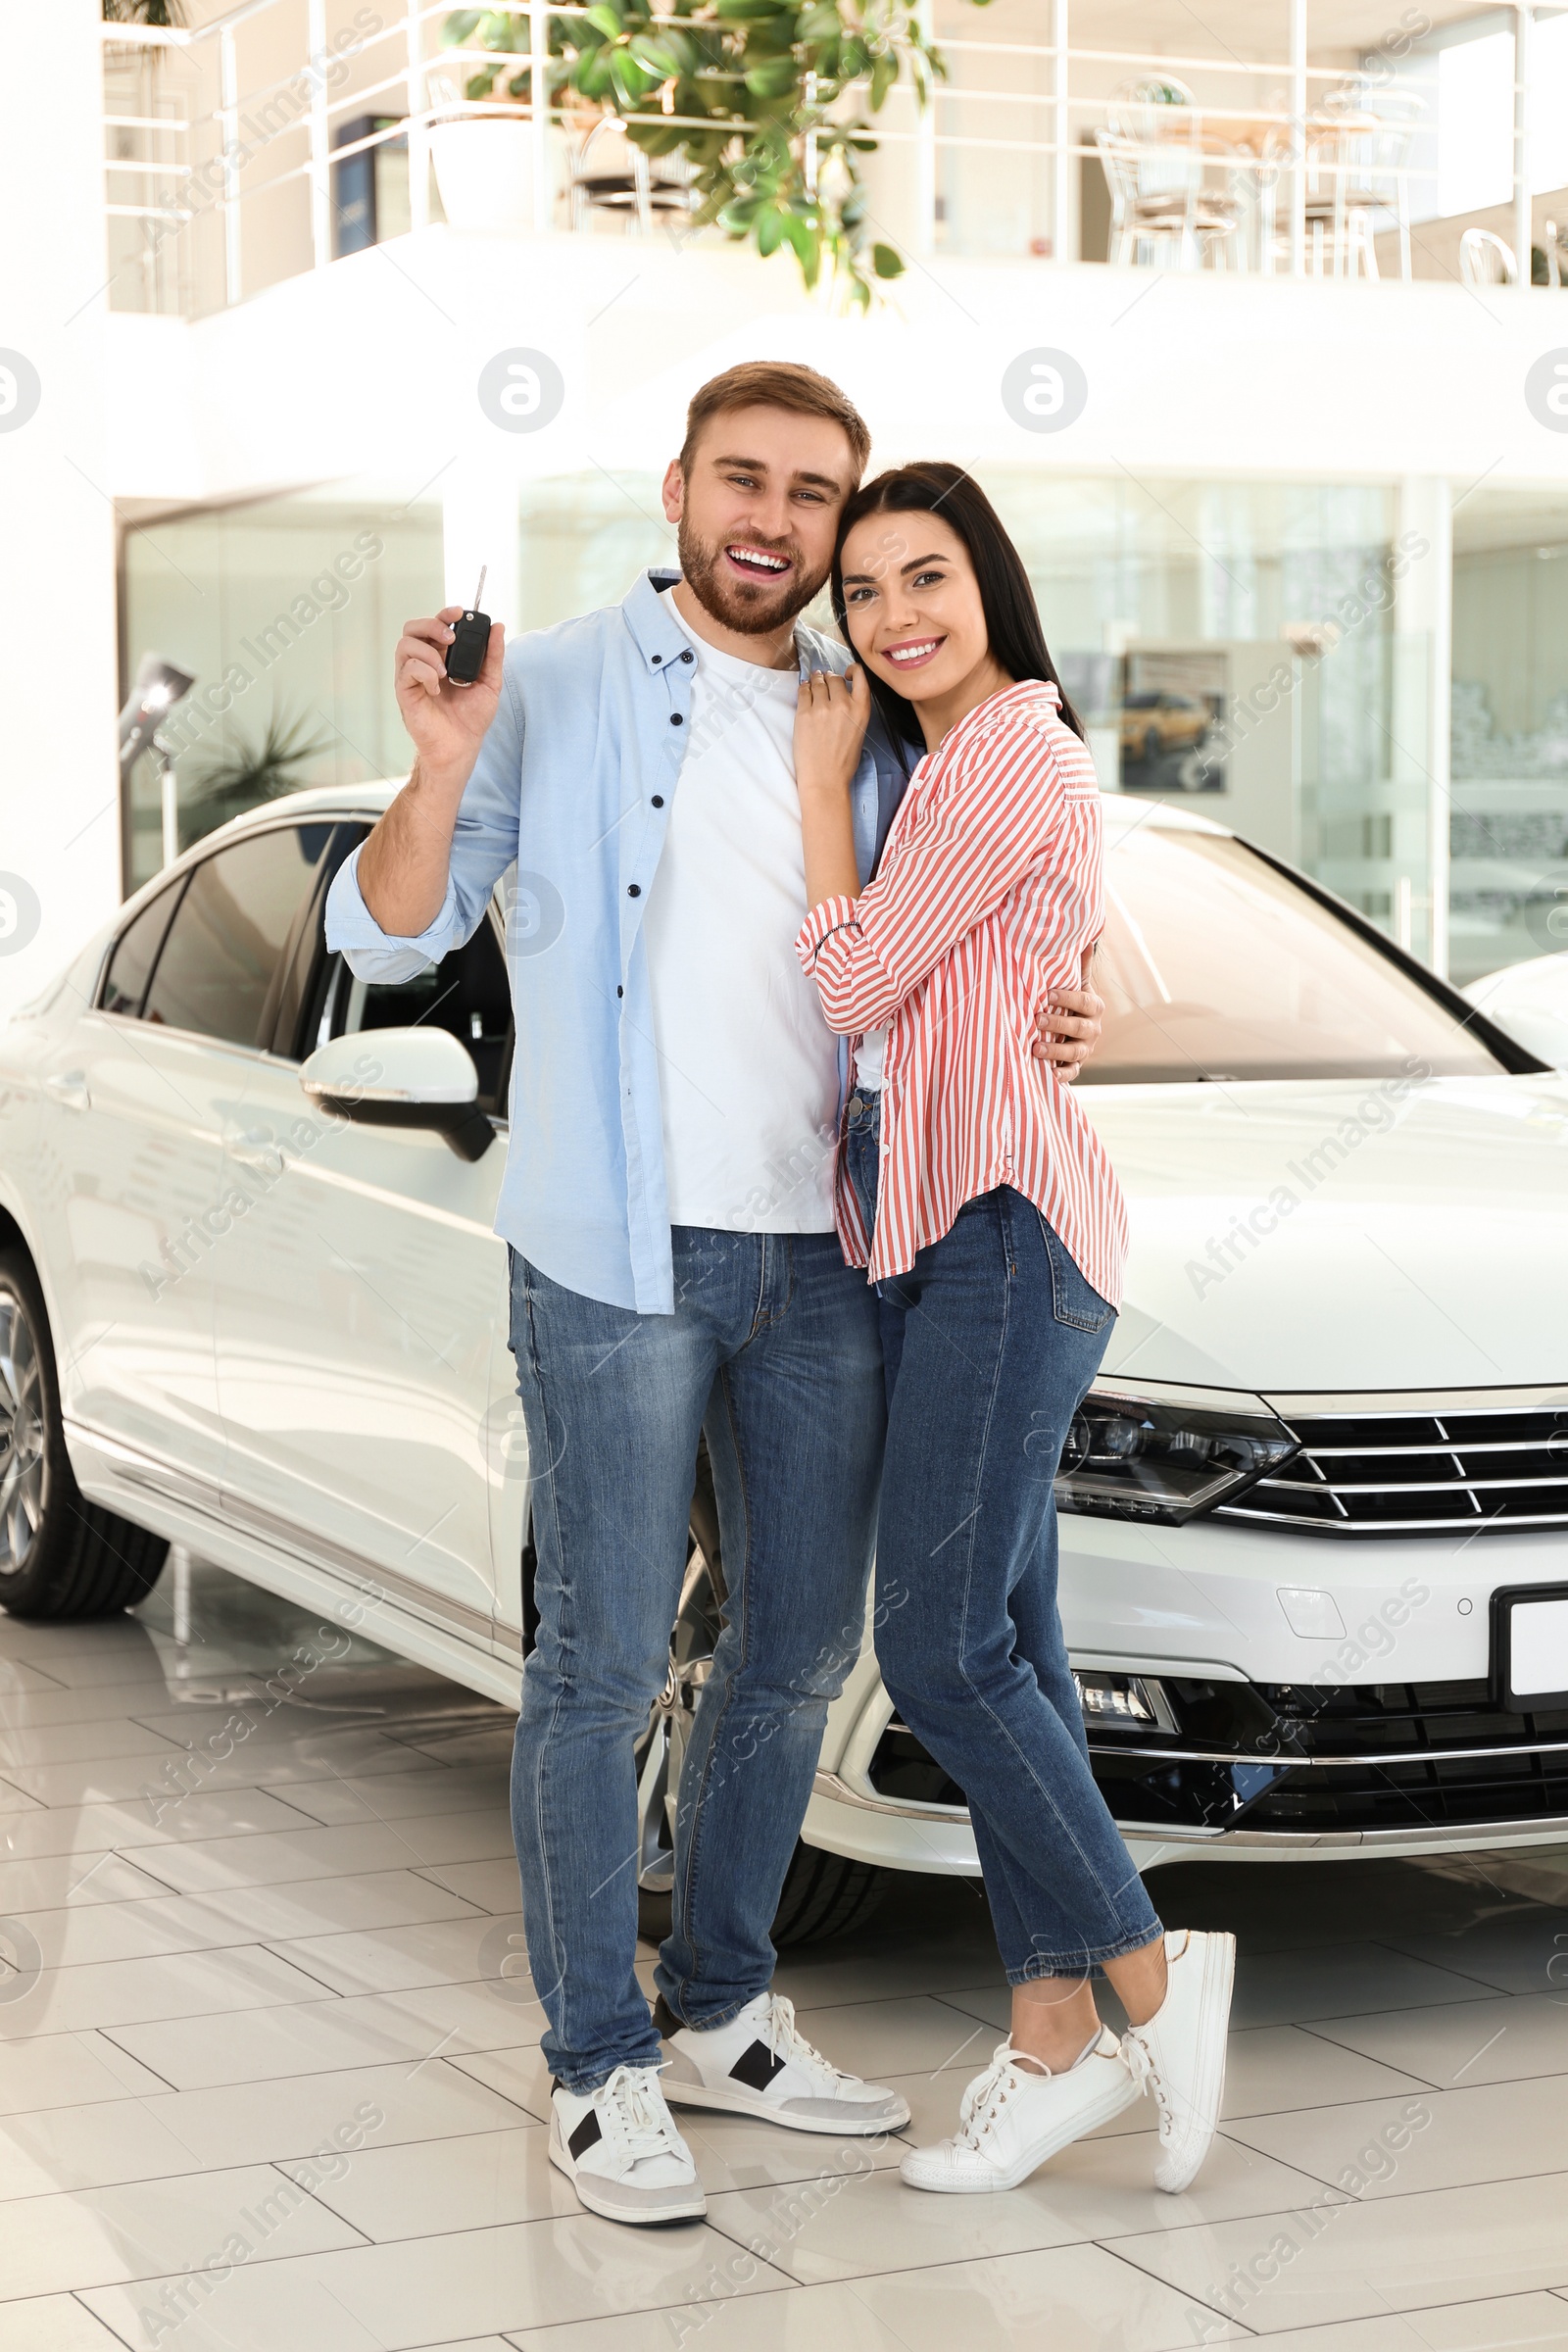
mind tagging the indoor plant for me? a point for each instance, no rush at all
(767, 100)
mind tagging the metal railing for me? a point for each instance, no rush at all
(219, 184)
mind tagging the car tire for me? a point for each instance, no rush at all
(61, 1556)
(823, 1895)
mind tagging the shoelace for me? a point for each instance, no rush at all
(1147, 2076)
(631, 2117)
(985, 2099)
(786, 2042)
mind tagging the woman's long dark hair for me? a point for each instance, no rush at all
(1012, 616)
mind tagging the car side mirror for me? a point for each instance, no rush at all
(401, 1078)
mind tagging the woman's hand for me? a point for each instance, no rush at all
(1068, 1029)
(830, 719)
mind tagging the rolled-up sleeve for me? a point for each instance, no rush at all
(484, 842)
(977, 838)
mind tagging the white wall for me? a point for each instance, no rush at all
(59, 788)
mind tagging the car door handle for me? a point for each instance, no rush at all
(250, 1147)
(67, 1088)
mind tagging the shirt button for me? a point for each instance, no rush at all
(675, 720)
(686, 657)
(658, 657)
(659, 800)
(634, 890)
(620, 991)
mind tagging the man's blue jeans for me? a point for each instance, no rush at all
(991, 1340)
(773, 1351)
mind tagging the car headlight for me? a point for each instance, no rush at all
(1166, 1453)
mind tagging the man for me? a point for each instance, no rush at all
(674, 1269)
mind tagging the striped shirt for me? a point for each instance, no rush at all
(988, 894)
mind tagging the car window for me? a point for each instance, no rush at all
(465, 992)
(229, 934)
(1214, 964)
(136, 952)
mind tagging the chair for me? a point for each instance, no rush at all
(1355, 172)
(1147, 110)
(1164, 193)
(610, 174)
(1485, 261)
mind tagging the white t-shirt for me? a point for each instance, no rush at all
(869, 1060)
(748, 1067)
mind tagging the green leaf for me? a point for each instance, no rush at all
(743, 11)
(885, 262)
(884, 73)
(820, 23)
(455, 30)
(769, 227)
(774, 79)
(606, 19)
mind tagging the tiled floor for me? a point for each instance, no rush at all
(268, 2079)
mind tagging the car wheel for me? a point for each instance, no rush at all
(60, 1555)
(823, 1895)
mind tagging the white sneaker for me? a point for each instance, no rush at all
(620, 2149)
(1012, 2119)
(1180, 2055)
(760, 2065)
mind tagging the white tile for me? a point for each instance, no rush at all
(75, 1742)
(54, 1880)
(50, 2245)
(493, 1886)
(442, 2291)
(16, 1800)
(449, 1951)
(451, 2185)
(372, 2029)
(189, 1923)
(68, 2070)
(296, 2115)
(426, 1788)
(1069, 2298)
(1399, 2253)
(21, 1680)
(1496, 2040)
(520, 2074)
(55, 2323)
(180, 1985)
(1524, 1953)
(160, 1816)
(1342, 1980)
(1495, 2323)
(1492, 2132)
(310, 1853)
(915, 2034)
(1269, 2069)
(275, 1763)
(86, 1703)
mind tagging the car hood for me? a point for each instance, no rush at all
(1331, 1235)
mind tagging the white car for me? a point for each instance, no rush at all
(1314, 1531)
(1530, 1001)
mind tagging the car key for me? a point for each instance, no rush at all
(471, 641)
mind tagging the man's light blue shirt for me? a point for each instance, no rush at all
(575, 784)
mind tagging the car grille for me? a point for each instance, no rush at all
(1275, 1757)
(1363, 1473)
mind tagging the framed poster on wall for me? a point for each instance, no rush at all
(1174, 706)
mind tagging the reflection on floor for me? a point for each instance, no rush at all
(269, 2083)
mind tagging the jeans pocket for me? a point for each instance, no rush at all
(1074, 1300)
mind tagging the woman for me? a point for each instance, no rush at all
(995, 1232)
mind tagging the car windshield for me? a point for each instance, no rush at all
(1214, 964)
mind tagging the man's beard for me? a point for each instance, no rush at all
(750, 609)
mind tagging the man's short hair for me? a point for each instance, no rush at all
(775, 385)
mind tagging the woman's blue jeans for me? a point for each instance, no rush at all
(989, 1343)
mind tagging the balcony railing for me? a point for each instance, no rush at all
(287, 132)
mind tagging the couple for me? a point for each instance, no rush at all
(878, 1276)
